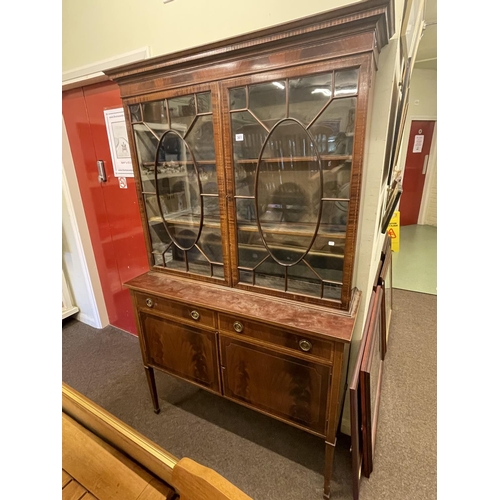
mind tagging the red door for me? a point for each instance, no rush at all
(417, 158)
(112, 211)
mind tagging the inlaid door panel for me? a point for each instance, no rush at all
(181, 350)
(290, 388)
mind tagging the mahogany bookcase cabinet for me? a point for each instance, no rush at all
(248, 155)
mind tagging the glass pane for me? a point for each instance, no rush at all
(246, 277)
(146, 144)
(303, 281)
(270, 275)
(159, 236)
(336, 179)
(251, 250)
(248, 136)
(287, 191)
(332, 291)
(238, 98)
(201, 138)
(198, 263)
(308, 95)
(155, 112)
(218, 271)
(211, 244)
(346, 82)
(268, 101)
(208, 178)
(211, 209)
(334, 217)
(329, 267)
(152, 208)
(204, 102)
(334, 129)
(182, 112)
(135, 112)
(245, 212)
(179, 192)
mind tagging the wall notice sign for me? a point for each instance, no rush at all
(118, 142)
(419, 142)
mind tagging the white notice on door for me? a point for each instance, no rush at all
(419, 142)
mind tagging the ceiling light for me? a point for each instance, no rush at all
(279, 85)
(325, 92)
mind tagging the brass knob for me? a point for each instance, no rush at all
(149, 302)
(195, 315)
(305, 345)
(238, 327)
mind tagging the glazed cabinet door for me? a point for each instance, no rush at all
(294, 141)
(186, 352)
(178, 161)
(289, 388)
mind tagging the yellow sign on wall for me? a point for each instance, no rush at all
(393, 231)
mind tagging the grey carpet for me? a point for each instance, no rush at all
(265, 458)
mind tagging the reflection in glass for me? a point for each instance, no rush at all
(179, 196)
(336, 178)
(238, 98)
(182, 113)
(248, 135)
(204, 102)
(146, 145)
(135, 112)
(308, 95)
(155, 112)
(346, 82)
(334, 128)
(211, 245)
(201, 138)
(267, 101)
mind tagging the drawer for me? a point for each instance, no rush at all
(190, 314)
(276, 336)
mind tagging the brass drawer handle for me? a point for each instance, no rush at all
(305, 345)
(238, 327)
(195, 315)
(149, 302)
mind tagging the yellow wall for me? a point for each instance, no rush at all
(96, 30)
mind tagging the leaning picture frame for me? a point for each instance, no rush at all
(400, 119)
(355, 408)
(370, 378)
(395, 192)
(412, 26)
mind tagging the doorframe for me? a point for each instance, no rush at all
(431, 166)
(82, 270)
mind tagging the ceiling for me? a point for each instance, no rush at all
(427, 49)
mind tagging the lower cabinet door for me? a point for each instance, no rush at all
(290, 388)
(181, 350)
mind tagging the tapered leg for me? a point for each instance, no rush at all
(329, 451)
(150, 375)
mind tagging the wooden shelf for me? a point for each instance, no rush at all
(347, 158)
(299, 231)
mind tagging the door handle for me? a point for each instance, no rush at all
(426, 161)
(101, 171)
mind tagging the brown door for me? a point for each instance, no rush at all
(417, 159)
(289, 388)
(111, 207)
